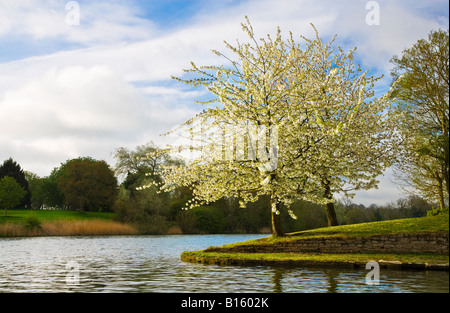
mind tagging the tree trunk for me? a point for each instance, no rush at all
(329, 207)
(277, 230)
(440, 193)
(331, 214)
(446, 185)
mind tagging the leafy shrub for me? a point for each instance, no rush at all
(209, 220)
(32, 223)
(153, 225)
(437, 211)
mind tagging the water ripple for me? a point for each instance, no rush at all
(152, 264)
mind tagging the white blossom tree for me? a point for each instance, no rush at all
(287, 122)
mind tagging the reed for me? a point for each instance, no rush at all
(175, 230)
(11, 230)
(86, 228)
(92, 227)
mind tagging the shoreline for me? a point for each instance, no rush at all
(415, 243)
(83, 227)
(87, 227)
(39, 223)
(93, 227)
(397, 262)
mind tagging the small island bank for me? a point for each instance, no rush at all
(413, 243)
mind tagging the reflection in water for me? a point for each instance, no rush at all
(152, 264)
(277, 276)
(332, 281)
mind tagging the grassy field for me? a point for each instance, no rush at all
(438, 223)
(412, 225)
(388, 260)
(19, 216)
(20, 223)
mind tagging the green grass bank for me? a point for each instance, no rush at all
(266, 251)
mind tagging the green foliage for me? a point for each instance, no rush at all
(145, 159)
(423, 101)
(44, 191)
(186, 220)
(437, 211)
(146, 209)
(11, 193)
(209, 220)
(309, 216)
(87, 185)
(154, 225)
(35, 186)
(32, 223)
(51, 194)
(12, 169)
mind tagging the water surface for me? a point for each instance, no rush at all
(152, 264)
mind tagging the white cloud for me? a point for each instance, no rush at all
(76, 111)
(100, 21)
(76, 98)
(386, 192)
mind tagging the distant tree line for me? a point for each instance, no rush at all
(156, 212)
(86, 184)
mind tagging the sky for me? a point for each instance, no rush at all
(83, 78)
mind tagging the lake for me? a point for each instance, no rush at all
(121, 264)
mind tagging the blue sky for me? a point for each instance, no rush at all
(84, 90)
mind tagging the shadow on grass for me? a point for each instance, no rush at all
(10, 218)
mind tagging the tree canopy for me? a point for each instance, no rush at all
(12, 169)
(87, 184)
(285, 122)
(423, 96)
(11, 193)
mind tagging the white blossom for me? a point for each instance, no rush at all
(332, 135)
